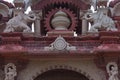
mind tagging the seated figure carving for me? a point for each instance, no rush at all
(19, 23)
(100, 21)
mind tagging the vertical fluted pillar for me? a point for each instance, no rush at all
(84, 26)
(37, 23)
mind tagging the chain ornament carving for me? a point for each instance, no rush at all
(60, 44)
(112, 70)
(10, 71)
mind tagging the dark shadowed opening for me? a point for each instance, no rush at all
(61, 74)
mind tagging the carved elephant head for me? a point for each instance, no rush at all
(30, 17)
(91, 16)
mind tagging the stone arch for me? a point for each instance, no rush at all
(116, 9)
(61, 67)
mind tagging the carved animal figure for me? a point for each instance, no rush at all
(100, 21)
(19, 23)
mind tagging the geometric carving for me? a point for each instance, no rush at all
(60, 44)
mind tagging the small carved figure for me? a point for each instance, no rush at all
(112, 70)
(100, 21)
(19, 23)
(113, 73)
(10, 71)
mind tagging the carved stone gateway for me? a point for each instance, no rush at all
(59, 41)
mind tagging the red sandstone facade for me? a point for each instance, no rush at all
(89, 60)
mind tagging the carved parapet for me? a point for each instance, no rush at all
(109, 37)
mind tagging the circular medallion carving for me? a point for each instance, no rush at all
(60, 44)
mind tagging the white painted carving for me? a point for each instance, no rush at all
(60, 21)
(100, 21)
(112, 70)
(10, 71)
(19, 23)
(60, 44)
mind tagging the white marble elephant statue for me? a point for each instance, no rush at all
(19, 23)
(100, 21)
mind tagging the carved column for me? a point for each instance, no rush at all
(37, 25)
(84, 26)
(84, 22)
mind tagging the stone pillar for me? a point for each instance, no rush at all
(84, 22)
(84, 26)
(37, 23)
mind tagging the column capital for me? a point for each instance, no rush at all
(39, 14)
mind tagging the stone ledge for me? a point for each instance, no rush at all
(60, 32)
